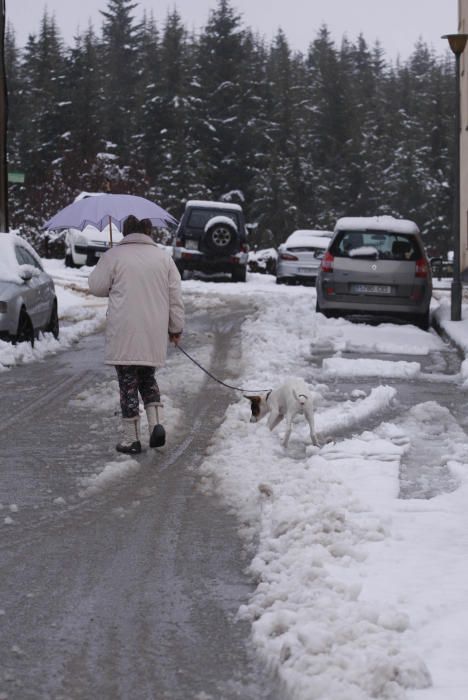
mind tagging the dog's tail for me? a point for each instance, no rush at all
(301, 398)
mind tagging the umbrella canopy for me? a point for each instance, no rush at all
(100, 210)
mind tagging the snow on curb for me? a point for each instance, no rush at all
(309, 530)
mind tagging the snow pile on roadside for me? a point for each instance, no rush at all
(337, 334)
(46, 344)
(112, 473)
(340, 367)
(324, 614)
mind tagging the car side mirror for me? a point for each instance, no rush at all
(25, 273)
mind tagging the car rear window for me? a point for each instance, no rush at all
(318, 252)
(198, 217)
(382, 245)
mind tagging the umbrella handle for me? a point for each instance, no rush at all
(110, 231)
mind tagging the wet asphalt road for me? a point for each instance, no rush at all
(130, 594)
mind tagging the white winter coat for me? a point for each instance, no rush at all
(145, 301)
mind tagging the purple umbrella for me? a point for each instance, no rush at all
(103, 209)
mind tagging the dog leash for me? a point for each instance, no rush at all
(228, 386)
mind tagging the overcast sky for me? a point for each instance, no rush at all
(396, 23)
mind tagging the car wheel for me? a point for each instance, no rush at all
(423, 321)
(279, 280)
(25, 332)
(324, 312)
(53, 325)
(239, 274)
(221, 239)
(184, 274)
(69, 260)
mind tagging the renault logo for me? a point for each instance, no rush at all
(374, 267)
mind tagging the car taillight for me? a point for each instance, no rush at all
(288, 256)
(327, 262)
(421, 268)
(179, 243)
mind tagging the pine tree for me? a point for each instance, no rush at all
(218, 89)
(17, 114)
(121, 38)
(43, 141)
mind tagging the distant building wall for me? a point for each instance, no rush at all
(463, 27)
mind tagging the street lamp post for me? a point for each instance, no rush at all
(457, 43)
(3, 126)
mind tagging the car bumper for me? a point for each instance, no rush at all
(194, 260)
(374, 307)
(88, 255)
(296, 270)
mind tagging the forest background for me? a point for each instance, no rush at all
(298, 139)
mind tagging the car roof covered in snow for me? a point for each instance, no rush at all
(212, 205)
(376, 223)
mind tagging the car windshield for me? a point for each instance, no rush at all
(199, 217)
(382, 245)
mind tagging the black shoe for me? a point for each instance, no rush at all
(129, 449)
(158, 436)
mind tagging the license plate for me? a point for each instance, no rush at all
(371, 289)
(305, 270)
(98, 253)
(191, 245)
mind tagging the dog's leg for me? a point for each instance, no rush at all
(273, 419)
(288, 430)
(309, 414)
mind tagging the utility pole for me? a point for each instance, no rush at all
(3, 126)
(457, 43)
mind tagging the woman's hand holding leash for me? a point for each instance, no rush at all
(175, 338)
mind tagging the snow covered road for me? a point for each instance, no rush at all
(356, 549)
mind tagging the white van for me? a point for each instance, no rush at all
(86, 246)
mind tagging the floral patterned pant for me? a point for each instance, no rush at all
(134, 379)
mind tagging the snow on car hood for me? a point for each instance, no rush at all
(215, 220)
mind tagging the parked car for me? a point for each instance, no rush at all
(376, 266)
(28, 303)
(300, 255)
(212, 237)
(86, 247)
(441, 267)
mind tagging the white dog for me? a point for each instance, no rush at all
(290, 399)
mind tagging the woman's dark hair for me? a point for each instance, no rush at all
(131, 225)
(134, 225)
(146, 226)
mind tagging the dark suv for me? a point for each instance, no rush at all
(211, 237)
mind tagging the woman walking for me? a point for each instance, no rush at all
(145, 308)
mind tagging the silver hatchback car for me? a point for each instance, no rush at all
(300, 255)
(376, 266)
(28, 303)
